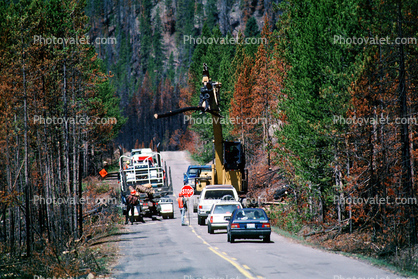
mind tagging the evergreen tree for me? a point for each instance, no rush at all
(315, 88)
(251, 28)
(185, 27)
(224, 76)
(171, 70)
(156, 68)
(198, 58)
(145, 37)
(211, 14)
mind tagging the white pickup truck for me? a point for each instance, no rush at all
(212, 194)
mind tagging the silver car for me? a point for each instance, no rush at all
(217, 218)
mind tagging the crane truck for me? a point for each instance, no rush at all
(229, 165)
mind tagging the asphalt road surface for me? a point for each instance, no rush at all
(165, 249)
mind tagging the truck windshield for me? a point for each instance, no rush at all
(193, 171)
(218, 194)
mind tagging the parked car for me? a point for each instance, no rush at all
(249, 223)
(192, 172)
(212, 194)
(219, 213)
(165, 208)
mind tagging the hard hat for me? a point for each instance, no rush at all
(133, 192)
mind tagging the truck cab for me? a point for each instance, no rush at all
(194, 171)
(212, 194)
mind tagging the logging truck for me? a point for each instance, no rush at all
(143, 171)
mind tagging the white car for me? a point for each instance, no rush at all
(219, 213)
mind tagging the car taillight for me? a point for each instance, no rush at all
(200, 207)
(211, 219)
(234, 226)
(266, 225)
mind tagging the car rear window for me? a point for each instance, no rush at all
(225, 208)
(250, 215)
(218, 194)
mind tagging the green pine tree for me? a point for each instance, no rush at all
(251, 28)
(211, 14)
(316, 87)
(171, 70)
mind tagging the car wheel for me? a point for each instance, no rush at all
(172, 216)
(267, 239)
(232, 239)
(210, 230)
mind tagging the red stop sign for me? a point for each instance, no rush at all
(187, 191)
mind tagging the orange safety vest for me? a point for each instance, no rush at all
(180, 201)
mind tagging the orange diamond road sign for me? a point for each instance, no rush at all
(103, 173)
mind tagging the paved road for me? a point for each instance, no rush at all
(165, 249)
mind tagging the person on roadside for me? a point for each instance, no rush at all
(131, 201)
(183, 208)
